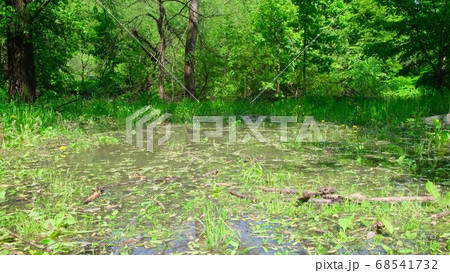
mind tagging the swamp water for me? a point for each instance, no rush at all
(198, 215)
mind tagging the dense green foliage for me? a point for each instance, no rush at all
(372, 49)
(368, 71)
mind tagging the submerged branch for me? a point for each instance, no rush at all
(28, 242)
(241, 195)
(440, 215)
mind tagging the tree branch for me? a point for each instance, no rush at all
(40, 9)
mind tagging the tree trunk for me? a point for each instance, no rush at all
(440, 72)
(278, 66)
(21, 67)
(304, 64)
(191, 41)
(162, 49)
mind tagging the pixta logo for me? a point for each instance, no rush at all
(141, 119)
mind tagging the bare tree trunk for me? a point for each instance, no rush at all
(278, 66)
(304, 65)
(21, 67)
(172, 68)
(162, 49)
(191, 41)
(440, 72)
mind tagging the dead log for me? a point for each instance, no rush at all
(333, 198)
(326, 190)
(306, 195)
(320, 201)
(395, 199)
(315, 201)
(241, 195)
(112, 207)
(391, 199)
(440, 215)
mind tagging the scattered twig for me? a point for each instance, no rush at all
(94, 195)
(112, 207)
(160, 204)
(241, 195)
(28, 242)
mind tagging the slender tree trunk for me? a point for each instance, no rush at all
(191, 42)
(304, 64)
(162, 49)
(278, 66)
(440, 72)
(21, 67)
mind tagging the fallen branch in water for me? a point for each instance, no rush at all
(391, 199)
(160, 204)
(327, 196)
(241, 195)
(28, 242)
(112, 207)
(440, 215)
(96, 192)
(306, 195)
(357, 197)
(395, 199)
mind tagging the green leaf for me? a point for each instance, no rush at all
(59, 218)
(49, 224)
(346, 223)
(71, 220)
(47, 241)
(432, 189)
(4, 252)
(388, 225)
(410, 235)
(2, 196)
(405, 251)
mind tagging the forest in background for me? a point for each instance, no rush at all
(373, 74)
(223, 49)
